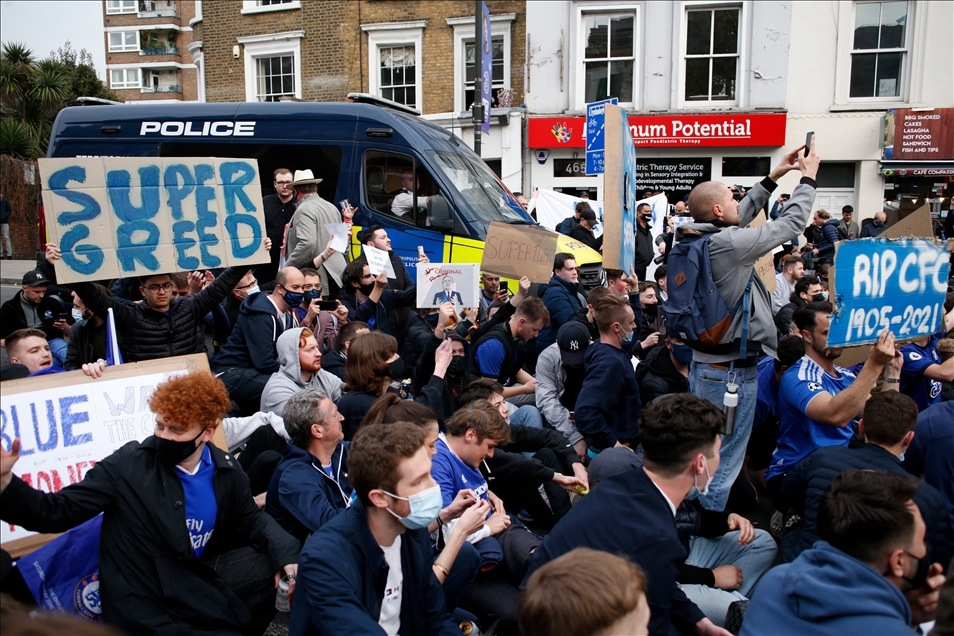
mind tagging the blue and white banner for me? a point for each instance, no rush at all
(881, 283)
(115, 217)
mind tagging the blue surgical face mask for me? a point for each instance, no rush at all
(77, 315)
(682, 353)
(312, 294)
(293, 299)
(425, 506)
(628, 338)
(694, 492)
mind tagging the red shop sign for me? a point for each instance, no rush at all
(669, 131)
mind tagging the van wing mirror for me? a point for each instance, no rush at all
(439, 213)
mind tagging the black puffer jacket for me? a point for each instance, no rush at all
(803, 487)
(658, 376)
(148, 334)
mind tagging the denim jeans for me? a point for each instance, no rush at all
(709, 383)
(755, 559)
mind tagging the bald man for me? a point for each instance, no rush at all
(734, 249)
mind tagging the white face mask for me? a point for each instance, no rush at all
(77, 315)
(251, 290)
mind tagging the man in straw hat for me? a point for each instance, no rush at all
(308, 240)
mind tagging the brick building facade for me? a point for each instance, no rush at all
(147, 49)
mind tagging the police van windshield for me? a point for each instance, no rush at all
(479, 188)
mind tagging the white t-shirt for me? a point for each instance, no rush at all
(390, 618)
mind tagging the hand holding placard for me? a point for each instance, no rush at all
(516, 251)
(339, 236)
(379, 261)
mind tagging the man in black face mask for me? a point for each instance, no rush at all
(183, 547)
(868, 574)
(369, 299)
(248, 358)
(645, 248)
(888, 429)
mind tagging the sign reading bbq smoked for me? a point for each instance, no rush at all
(919, 134)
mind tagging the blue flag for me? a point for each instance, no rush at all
(63, 575)
(113, 354)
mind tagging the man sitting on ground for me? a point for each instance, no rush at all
(300, 358)
(334, 360)
(867, 575)
(369, 570)
(560, 379)
(500, 357)
(310, 484)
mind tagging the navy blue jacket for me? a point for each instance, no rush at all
(385, 318)
(341, 579)
(301, 497)
(609, 405)
(826, 246)
(803, 487)
(561, 300)
(931, 454)
(826, 592)
(626, 514)
(251, 344)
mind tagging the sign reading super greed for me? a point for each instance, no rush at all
(115, 217)
(667, 131)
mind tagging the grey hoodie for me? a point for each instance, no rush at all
(733, 252)
(286, 382)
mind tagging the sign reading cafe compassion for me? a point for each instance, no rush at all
(116, 217)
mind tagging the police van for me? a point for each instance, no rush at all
(366, 151)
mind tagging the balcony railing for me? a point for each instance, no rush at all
(159, 50)
(168, 88)
(148, 9)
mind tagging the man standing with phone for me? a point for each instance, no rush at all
(734, 249)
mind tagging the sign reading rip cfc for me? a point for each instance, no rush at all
(879, 283)
(115, 217)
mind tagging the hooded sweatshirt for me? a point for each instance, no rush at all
(287, 381)
(733, 252)
(826, 591)
(252, 342)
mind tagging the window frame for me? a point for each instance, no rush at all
(124, 47)
(252, 6)
(740, 83)
(390, 34)
(500, 25)
(126, 84)
(122, 7)
(905, 50)
(582, 12)
(255, 47)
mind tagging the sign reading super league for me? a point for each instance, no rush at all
(114, 217)
(880, 283)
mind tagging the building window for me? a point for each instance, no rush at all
(878, 49)
(394, 57)
(609, 56)
(272, 66)
(746, 166)
(124, 78)
(498, 60)
(121, 6)
(264, 6)
(123, 41)
(276, 78)
(399, 74)
(712, 54)
(272, 3)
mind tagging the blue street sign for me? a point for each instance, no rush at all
(595, 138)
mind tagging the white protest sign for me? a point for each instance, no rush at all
(116, 217)
(339, 236)
(438, 283)
(66, 422)
(378, 261)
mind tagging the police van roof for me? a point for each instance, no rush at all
(274, 122)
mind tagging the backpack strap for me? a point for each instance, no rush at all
(745, 303)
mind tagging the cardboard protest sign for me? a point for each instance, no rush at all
(619, 183)
(513, 251)
(378, 261)
(438, 283)
(66, 422)
(918, 223)
(765, 266)
(115, 217)
(894, 284)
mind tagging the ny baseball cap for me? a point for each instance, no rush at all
(573, 338)
(35, 277)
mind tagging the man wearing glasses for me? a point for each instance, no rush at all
(279, 208)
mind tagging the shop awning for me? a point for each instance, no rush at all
(917, 168)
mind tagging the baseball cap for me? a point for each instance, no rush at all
(588, 214)
(612, 461)
(573, 338)
(35, 277)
